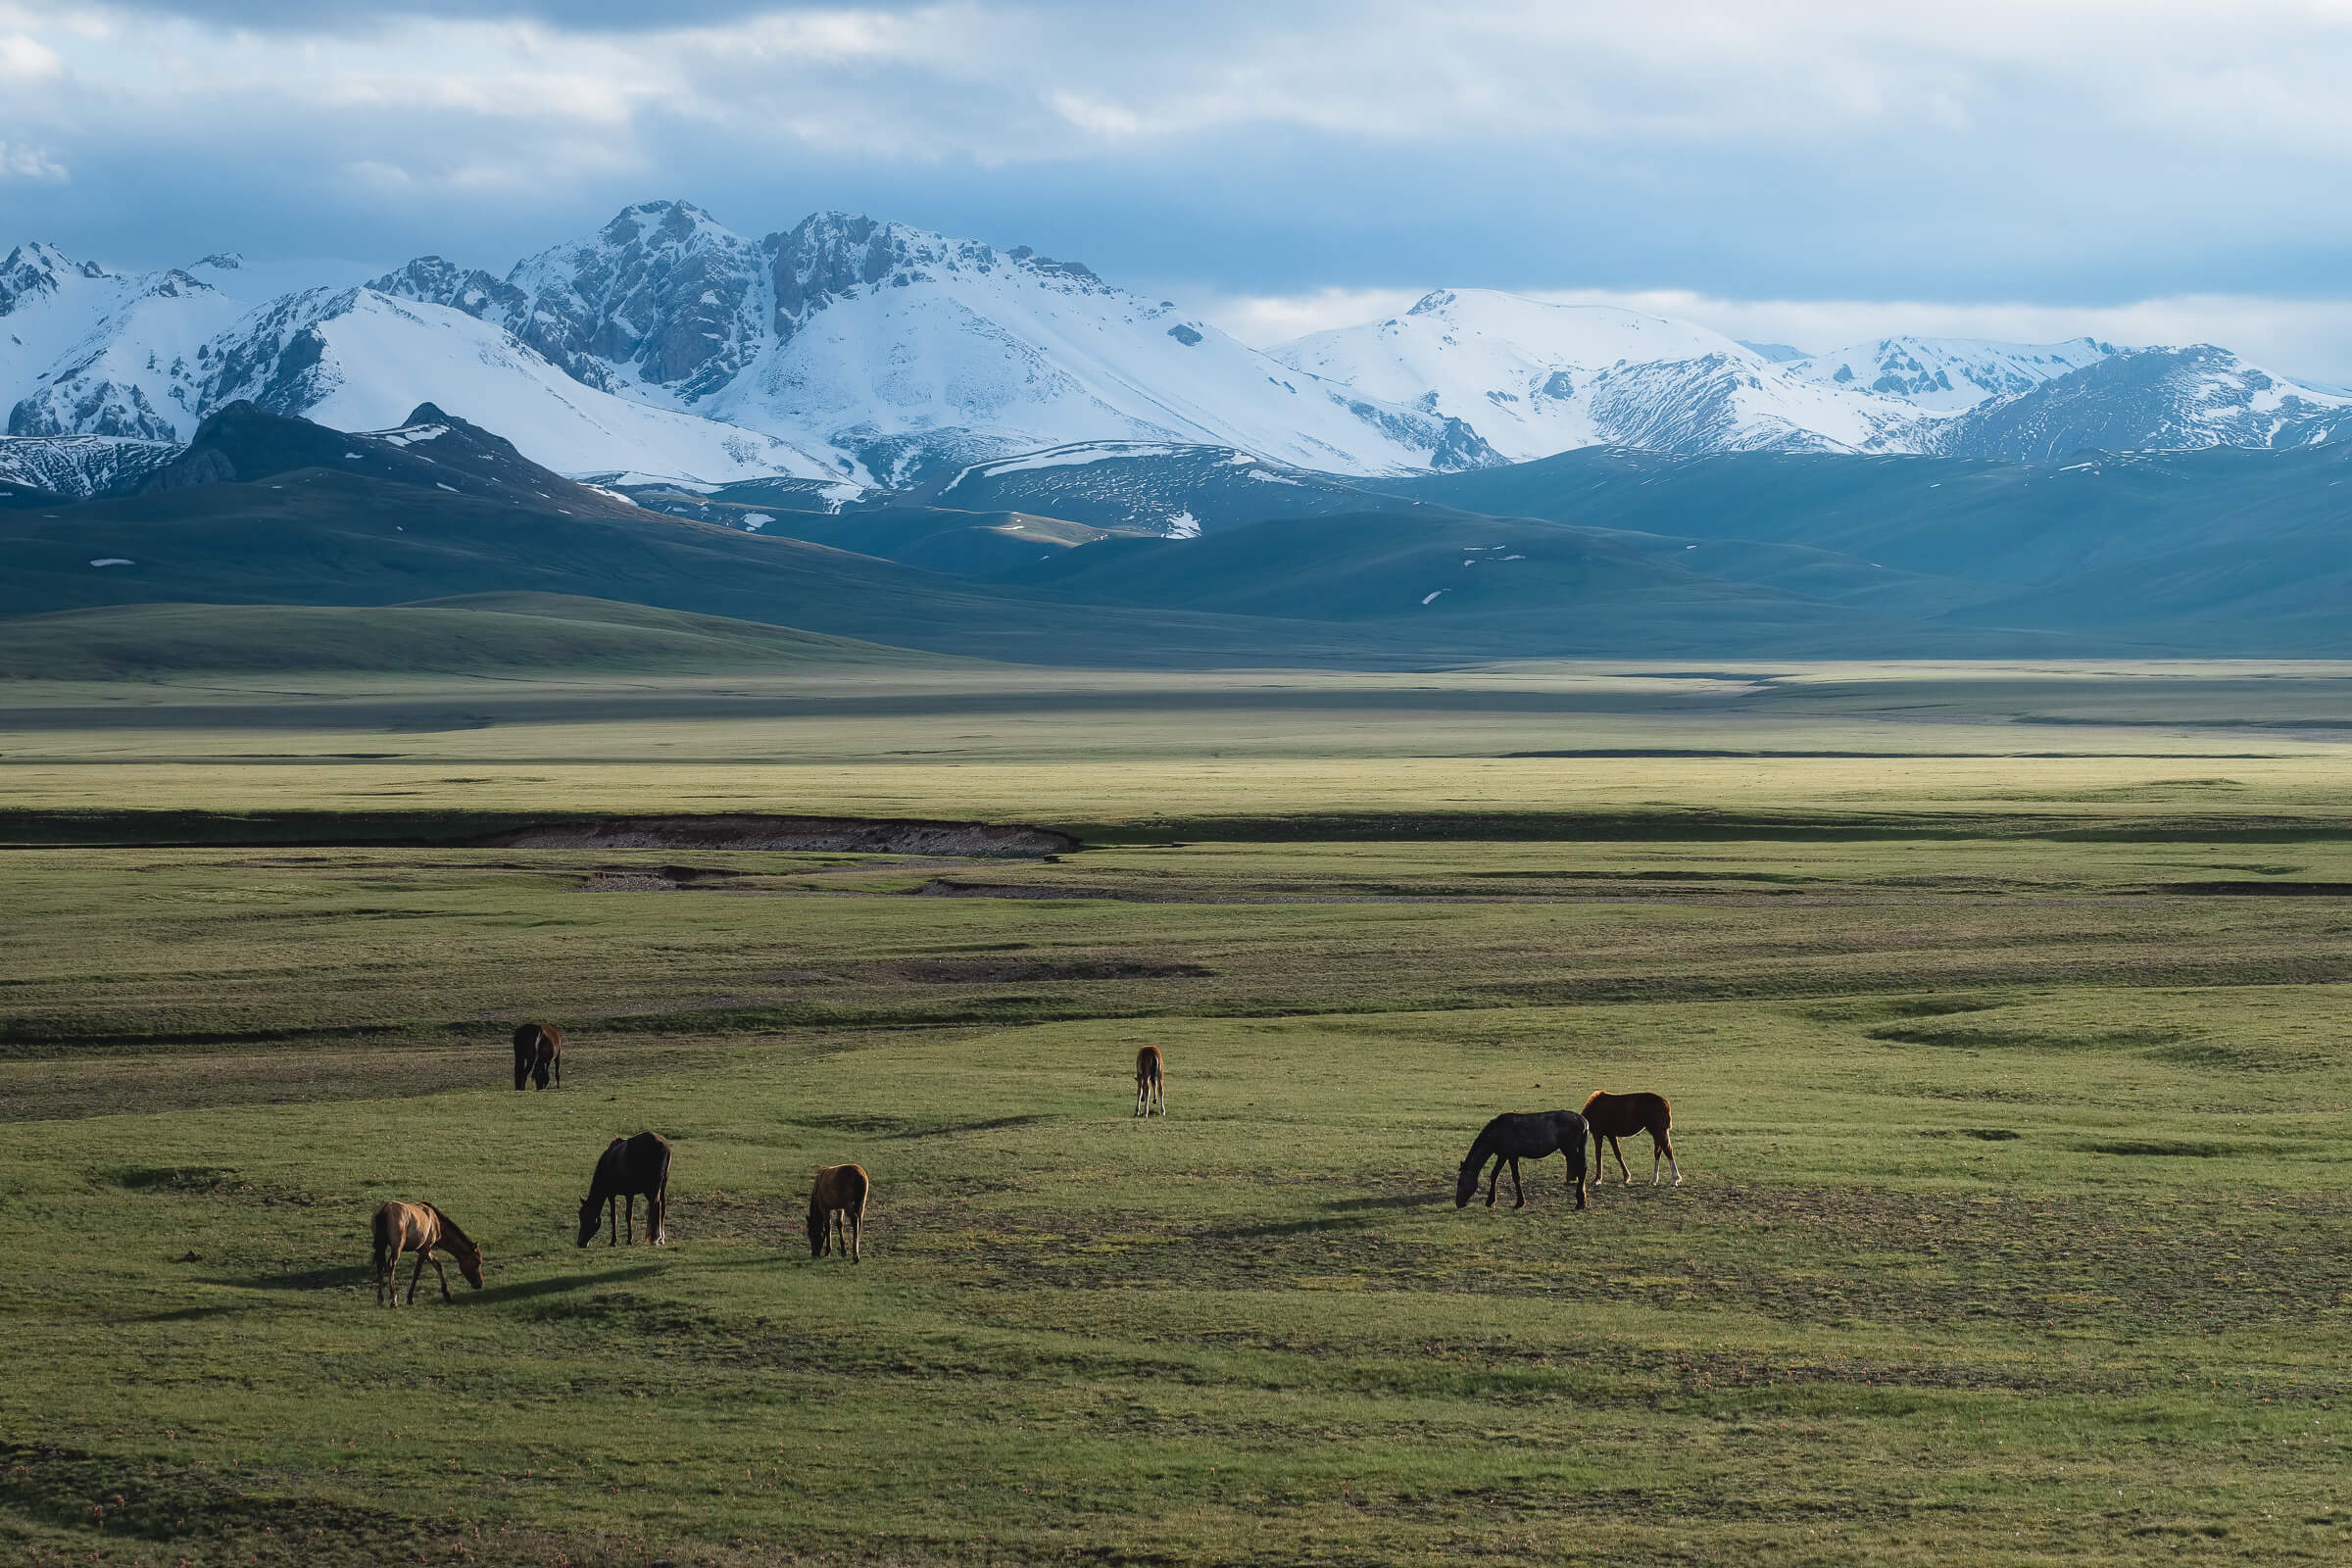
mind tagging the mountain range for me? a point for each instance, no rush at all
(846, 354)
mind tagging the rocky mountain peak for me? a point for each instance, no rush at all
(38, 268)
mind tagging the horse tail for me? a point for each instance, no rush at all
(661, 1198)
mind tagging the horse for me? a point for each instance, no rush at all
(1150, 1081)
(627, 1167)
(420, 1228)
(1615, 1116)
(538, 1046)
(1515, 1136)
(839, 1193)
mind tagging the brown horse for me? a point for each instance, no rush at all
(422, 1229)
(627, 1167)
(839, 1194)
(538, 1046)
(1150, 1081)
(1615, 1116)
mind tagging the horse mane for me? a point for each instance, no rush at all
(448, 1227)
(1597, 1095)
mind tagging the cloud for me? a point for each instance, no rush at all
(19, 162)
(23, 59)
(2081, 155)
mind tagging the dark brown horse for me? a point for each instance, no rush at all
(1150, 1081)
(627, 1168)
(538, 1048)
(1615, 1116)
(838, 1194)
(422, 1229)
(1515, 1136)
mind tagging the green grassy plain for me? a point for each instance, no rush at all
(2010, 1087)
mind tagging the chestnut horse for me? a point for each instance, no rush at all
(422, 1229)
(1515, 1136)
(1150, 1081)
(839, 1194)
(1615, 1116)
(538, 1046)
(627, 1167)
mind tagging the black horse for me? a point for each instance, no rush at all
(1515, 1136)
(629, 1166)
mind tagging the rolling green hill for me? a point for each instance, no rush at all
(2248, 550)
(486, 634)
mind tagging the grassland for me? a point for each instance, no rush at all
(2010, 1087)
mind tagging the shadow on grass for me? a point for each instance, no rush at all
(1347, 1213)
(526, 1290)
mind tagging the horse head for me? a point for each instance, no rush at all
(1465, 1186)
(591, 1215)
(470, 1262)
(820, 1232)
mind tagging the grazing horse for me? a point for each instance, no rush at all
(538, 1046)
(422, 1229)
(1515, 1136)
(838, 1194)
(1615, 1116)
(627, 1167)
(1150, 1081)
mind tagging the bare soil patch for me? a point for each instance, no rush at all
(750, 832)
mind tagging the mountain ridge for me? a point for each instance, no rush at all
(856, 352)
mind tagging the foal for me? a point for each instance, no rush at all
(1615, 1116)
(419, 1227)
(1515, 1136)
(839, 1194)
(1150, 1081)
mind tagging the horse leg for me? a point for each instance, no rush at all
(1618, 1148)
(1493, 1177)
(558, 1069)
(418, 1275)
(442, 1274)
(1664, 1144)
(1517, 1191)
(1159, 1094)
(857, 1236)
(630, 1209)
(612, 1220)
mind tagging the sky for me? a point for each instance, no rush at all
(1817, 174)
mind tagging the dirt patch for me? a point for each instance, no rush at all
(749, 832)
(657, 879)
(994, 971)
(2258, 890)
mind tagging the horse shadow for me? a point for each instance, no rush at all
(1342, 1214)
(559, 1284)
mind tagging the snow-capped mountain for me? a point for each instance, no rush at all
(358, 359)
(1535, 378)
(846, 351)
(86, 351)
(1945, 375)
(78, 465)
(2147, 400)
(904, 351)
